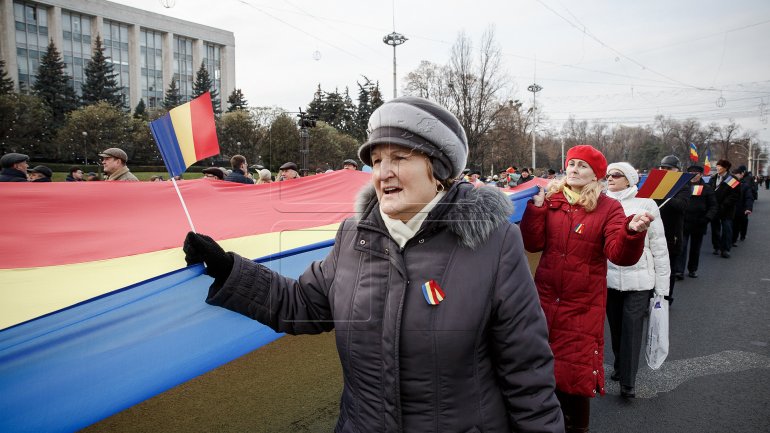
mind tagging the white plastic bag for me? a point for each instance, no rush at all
(657, 332)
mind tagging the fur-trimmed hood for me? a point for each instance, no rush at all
(470, 213)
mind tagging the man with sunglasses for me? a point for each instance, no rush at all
(672, 215)
(114, 163)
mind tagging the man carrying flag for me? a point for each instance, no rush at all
(727, 194)
(672, 215)
(701, 210)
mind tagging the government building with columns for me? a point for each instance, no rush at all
(146, 49)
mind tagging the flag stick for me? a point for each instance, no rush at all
(184, 206)
(661, 205)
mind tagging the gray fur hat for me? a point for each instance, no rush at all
(422, 125)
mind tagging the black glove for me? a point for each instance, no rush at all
(201, 248)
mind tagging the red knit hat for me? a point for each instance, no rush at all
(593, 157)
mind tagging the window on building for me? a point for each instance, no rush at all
(31, 22)
(152, 67)
(183, 66)
(76, 34)
(115, 37)
(213, 62)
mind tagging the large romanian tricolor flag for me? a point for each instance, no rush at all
(663, 184)
(97, 309)
(186, 134)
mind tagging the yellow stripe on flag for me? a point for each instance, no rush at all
(182, 121)
(665, 185)
(32, 292)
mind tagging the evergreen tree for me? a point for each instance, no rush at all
(236, 101)
(172, 98)
(52, 85)
(202, 84)
(316, 107)
(140, 112)
(101, 82)
(6, 83)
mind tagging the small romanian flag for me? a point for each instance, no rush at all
(733, 182)
(186, 134)
(663, 184)
(707, 164)
(432, 292)
(579, 228)
(693, 152)
(697, 190)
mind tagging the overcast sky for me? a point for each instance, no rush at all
(614, 61)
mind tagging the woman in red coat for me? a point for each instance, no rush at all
(578, 229)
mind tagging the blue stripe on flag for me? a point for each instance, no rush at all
(165, 136)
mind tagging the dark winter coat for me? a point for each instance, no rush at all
(571, 280)
(727, 196)
(672, 215)
(746, 200)
(239, 176)
(701, 210)
(12, 175)
(478, 361)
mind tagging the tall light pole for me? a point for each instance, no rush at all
(85, 148)
(394, 39)
(534, 88)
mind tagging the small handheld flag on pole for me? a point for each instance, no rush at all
(707, 164)
(663, 184)
(693, 153)
(184, 136)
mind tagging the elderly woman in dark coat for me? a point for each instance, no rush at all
(437, 320)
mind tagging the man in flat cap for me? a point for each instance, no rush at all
(40, 173)
(14, 167)
(213, 173)
(114, 162)
(349, 164)
(287, 171)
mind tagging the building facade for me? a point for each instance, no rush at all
(146, 49)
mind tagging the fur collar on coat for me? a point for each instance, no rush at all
(472, 214)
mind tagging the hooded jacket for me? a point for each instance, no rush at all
(653, 270)
(477, 361)
(571, 280)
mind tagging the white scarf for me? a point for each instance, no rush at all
(401, 232)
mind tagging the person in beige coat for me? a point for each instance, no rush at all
(114, 162)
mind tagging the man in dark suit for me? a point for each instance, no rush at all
(701, 210)
(727, 194)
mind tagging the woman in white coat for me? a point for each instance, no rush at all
(629, 287)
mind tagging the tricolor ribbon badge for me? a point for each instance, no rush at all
(697, 190)
(579, 228)
(733, 182)
(433, 293)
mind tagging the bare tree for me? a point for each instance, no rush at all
(724, 137)
(475, 89)
(430, 81)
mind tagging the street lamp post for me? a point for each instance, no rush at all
(394, 39)
(534, 88)
(85, 148)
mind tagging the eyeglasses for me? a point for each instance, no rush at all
(614, 175)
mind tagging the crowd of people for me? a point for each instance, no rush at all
(429, 290)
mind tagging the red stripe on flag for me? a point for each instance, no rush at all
(203, 127)
(651, 184)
